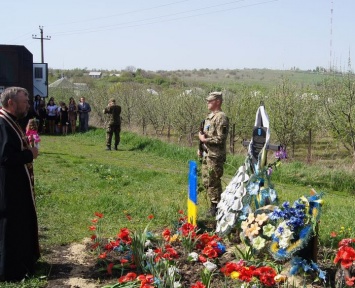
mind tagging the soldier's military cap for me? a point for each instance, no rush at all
(214, 96)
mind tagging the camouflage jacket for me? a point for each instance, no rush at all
(114, 115)
(216, 130)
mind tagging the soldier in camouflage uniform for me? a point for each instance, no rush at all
(213, 138)
(113, 124)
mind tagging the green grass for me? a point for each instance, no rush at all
(75, 177)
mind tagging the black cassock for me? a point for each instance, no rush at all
(19, 246)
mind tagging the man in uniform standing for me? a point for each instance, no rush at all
(19, 246)
(113, 123)
(214, 138)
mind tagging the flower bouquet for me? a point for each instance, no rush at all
(294, 225)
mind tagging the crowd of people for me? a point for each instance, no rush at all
(61, 118)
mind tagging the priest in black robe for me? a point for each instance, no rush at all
(19, 246)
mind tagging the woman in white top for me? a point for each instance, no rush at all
(52, 113)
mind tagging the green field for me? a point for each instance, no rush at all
(75, 177)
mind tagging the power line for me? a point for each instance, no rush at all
(126, 24)
(123, 13)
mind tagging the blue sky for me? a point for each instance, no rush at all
(184, 34)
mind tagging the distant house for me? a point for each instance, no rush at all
(94, 74)
(115, 74)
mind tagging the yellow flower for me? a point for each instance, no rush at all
(235, 275)
(251, 218)
(244, 225)
(261, 218)
(253, 229)
(174, 238)
(280, 278)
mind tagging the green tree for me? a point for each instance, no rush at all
(338, 98)
(286, 113)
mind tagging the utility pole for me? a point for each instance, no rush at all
(41, 38)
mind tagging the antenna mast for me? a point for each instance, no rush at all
(331, 36)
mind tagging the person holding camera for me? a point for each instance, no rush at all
(84, 109)
(113, 124)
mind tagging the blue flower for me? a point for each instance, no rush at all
(286, 205)
(253, 188)
(322, 274)
(221, 248)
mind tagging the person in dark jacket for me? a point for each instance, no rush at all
(113, 124)
(19, 246)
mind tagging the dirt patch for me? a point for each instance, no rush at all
(71, 266)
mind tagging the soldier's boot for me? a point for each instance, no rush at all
(108, 147)
(115, 147)
(212, 211)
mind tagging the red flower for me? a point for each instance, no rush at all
(130, 276)
(110, 245)
(151, 216)
(94, 220)
(198, 284)
(94, 246)
(246, 273)
(181, 212)
(231, 267)
(93, 237)
(182, 219)
(128, 217)
(146, 280)
(266, 275)
(123, 261)
(205, 238)
(170, 254)
(98, 214)
(333, 234)
(92, 228)
(188, 229)
(109, 268)
(350, 281)
(202, 258)
(103, 255)
(346, 242)
(166, 234)
(124, 236)
(346, 256)
(210, 252)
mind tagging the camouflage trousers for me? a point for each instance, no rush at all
(212, 172)
(113, 130)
